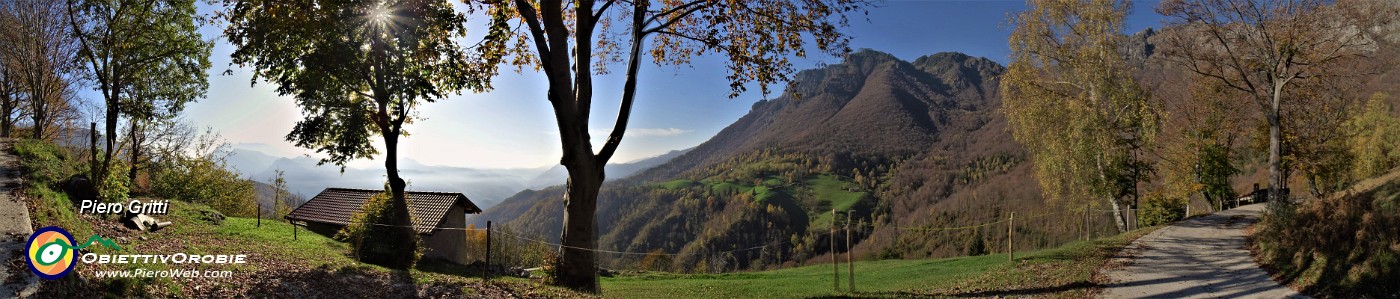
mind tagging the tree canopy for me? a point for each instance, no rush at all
(37, 52)
(1276, 53)
(137, 52)
(1070, 97)
(359, 69)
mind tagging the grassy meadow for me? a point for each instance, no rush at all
(1066, 272)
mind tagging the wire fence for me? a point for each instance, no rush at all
(1091, 224)
(861, 225)
(639, 253)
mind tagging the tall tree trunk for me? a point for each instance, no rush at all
(1210, 201)
(8, 102)
(408, 242)
(1118, 220)
(572, 101)
(38, 113)
(577, 263)
(45, 95)
(111, 130)
(6, 123)
(135, 151)
(1276, 177)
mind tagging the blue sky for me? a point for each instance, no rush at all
(676, 108)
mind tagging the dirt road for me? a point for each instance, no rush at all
(1203, 257)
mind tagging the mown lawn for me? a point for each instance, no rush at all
(1067, 271)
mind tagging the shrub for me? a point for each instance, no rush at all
(45, 162)
(1157, 210)
(117, 187)
(203, 177)
(655, 260)
(551, 262)
(375, 239)
(506, 249)
(1340, 246)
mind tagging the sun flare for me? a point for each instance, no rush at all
(381, 14)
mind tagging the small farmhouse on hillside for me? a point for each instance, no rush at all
(437, 216)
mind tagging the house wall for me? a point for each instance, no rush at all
(449, 244)
(324, 229)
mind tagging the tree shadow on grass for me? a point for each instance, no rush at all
(1029, 291)
(449, 268)
(1032, 291)
(344, 282)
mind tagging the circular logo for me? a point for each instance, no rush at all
(50, 252)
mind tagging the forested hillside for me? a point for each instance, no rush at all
(893, 142)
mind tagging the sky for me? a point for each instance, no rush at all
(512, 126)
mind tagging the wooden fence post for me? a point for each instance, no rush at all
(835, 267)
(92, 149)
(1086, 221)
(1132, 215)
(294, 229)
(1010, 238)
(486, 275)
(850, 262)
(260, 215)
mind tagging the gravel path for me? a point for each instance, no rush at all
(15, 279)
(1203, 257)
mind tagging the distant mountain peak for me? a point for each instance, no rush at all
(1140, 46)
(872, 103)
(959, 70)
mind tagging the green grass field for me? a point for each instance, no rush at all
(832, 189)
(1066, 272)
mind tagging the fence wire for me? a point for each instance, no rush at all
(780, 243)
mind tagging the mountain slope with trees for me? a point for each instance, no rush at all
(891, 142)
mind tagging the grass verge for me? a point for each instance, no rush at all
(1344, 246)
(1067, 271)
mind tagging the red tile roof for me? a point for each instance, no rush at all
(336, 205)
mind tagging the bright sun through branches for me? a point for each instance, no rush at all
(381, 14)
